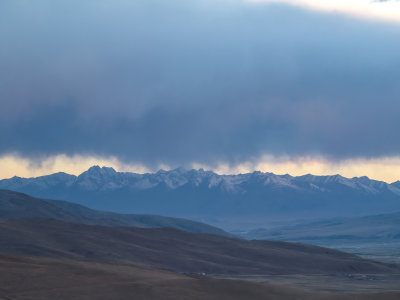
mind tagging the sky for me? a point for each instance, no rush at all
(386, 10)
(293, 86)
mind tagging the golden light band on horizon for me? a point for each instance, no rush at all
(386, 169)
(369, 9)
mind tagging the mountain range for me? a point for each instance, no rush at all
(226, 200)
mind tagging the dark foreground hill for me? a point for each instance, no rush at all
(18, 205)
(32, 278)
(176, 250)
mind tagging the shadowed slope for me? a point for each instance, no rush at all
(176, 250)
(18, 205)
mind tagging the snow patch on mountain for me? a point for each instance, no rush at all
(107, 179)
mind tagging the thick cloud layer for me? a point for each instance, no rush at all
(179, 81)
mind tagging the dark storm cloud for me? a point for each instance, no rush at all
(181, 81)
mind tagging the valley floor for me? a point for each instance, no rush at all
(28, 278)
(384, 252)
(337, 284)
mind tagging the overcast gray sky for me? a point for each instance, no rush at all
(175, 82)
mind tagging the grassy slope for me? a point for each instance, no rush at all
(176, 250)
(31, 278)
(18, 205)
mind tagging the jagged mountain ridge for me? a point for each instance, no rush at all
(204, 194)
(106, 178)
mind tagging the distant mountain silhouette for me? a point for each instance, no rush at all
(204, 195)
(18, 205)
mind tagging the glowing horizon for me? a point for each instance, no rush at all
(383, 169)
(380, 10)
